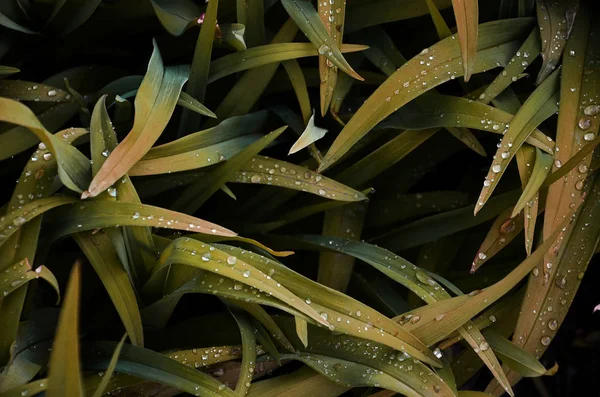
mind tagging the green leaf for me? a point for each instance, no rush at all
(309, 22)
(433, 110)
(64, 374)
(300, 383)
(195, 195)
(556, 21)
(351, 374)
(73, 167)
(541, 169)
(274, 172)
(441, 27)
(19, 139)
(336, 306)
(296, 76)
(466, 13)
(302, 330)
(192, 104)
(98, 248)
(147, 364)
(154, 104)
(335, 270)
(363, 13)
(111, 368)
(267, 54)
(75, 217)
(496, 43)
(527, 53)
(513, 356)
(332, 14)
(194, 253)
(540, 105)
(176, 16)
(248, 352)
(199, 70)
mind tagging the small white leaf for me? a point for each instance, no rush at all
(311, 134)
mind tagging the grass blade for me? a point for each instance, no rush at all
(556, 21)
(495, 42)
(99, 392)
(309, 22)
(466, 13)
(541, 169)
(98, 248)
(540, 105)
(332, 16)
(64, 374)
(154, 104)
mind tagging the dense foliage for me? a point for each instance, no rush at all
(149, 247)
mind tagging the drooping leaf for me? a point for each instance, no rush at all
(150, 365)
(514, 357)
(196, 194)
(73, 166)
(248, 352)
(540, 105)
(556, 21)
(74, 217)
(309, 22)
(266, 54)
(496, 43)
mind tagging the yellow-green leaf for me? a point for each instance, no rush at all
(466, 13)
(496, 44)
(64, 374)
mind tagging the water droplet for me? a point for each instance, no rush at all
(246, 273)
(557, 163)
(105, 152)
(232, 260)
(591, 110)
(308, 301)
(415, 319)
(52, 93)
(561, 281)
(437, 352)
(255, 179)
(583, 168)
(496, 168)
(237, 287)
(579, 184)
(18, 221)
(483, 346)
(322, 192)
(492, 318)
(546, 340)
(323, 49)
(222, 387)
(136, 215)
(572, 53)
(553, 324)
(481, 256)
(112, 192)
(584, 123)
(535, 272)
(505, 155)
(206, 256)
(590, 136)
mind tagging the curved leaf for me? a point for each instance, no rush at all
(496, 44)
(540, 105)
(156, 99)
(309, 22)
